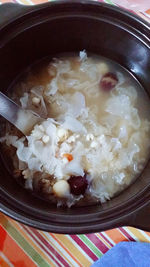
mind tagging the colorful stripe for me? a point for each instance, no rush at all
(82, 259)
(63, 250)
(12, 251)
(101, 246)
(148, 12)
(109, 2)
(107, 239)
(91, 245)
(21, 242)
(84, 247)
(48, 248)
(30, 247)
(4, 261)
(126, 234)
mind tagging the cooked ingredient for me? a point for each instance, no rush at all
(103, 68)
(78, 184)
(61, 188)
(94, 139)
(36, 101)
(108, 81)
(68, 156)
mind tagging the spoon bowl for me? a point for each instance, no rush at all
(22, 119)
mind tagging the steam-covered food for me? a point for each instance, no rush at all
(94, 137)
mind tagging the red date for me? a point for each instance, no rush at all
(78, 184)
(108, 81)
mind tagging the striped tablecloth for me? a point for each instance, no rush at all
(22, 246)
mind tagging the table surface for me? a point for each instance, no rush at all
(22, 246)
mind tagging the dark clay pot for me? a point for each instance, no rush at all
(28, 33)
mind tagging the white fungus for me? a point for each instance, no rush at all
(85, 130)
(45, 139)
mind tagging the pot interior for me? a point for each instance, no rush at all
(69, 28)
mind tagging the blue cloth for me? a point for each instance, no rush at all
(126, 254)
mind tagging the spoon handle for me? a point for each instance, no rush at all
(24, 120)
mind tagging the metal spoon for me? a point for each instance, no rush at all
(24, 120)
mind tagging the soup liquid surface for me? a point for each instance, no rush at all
(94, 140)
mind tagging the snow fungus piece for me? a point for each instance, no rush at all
(45, 139)
(62, 134)
(93, 144)
(94, 136)
(89, 137)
